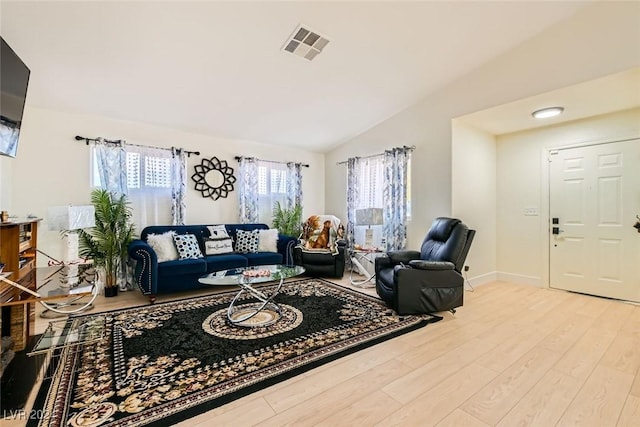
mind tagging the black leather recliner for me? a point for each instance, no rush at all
(428, 281)
(322, 264)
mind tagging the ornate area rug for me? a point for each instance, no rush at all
(163, 363)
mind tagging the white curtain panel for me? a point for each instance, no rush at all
(247, 190)
(111, 161)
(396, 163)
(178, 186)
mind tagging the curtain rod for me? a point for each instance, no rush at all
(120, 141)
(271, 161)
(344, 162)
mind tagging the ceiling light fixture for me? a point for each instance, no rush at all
(547, 112)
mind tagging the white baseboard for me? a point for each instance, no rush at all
(482, 279)
(520, 279)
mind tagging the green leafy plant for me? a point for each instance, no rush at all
(288, 221)
(106, 243)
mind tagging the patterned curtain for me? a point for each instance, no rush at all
(294, 184)
(112, 166)
(178, 185)
(248, 190)
(353, 187)
(395, 197)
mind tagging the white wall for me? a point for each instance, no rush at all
(522, 181)
(474, 194)
(576, 50)
(52, 168)
(6, 167)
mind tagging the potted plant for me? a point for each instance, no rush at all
(287, 221)
(106, 243)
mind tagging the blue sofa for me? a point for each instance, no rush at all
(175, 276)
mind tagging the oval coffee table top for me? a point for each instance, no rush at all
(254, 274)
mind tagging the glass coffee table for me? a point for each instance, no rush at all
(70, 335)
(266, 311)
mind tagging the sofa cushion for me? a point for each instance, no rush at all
(264, 258)
(225, 262)
(182, 266)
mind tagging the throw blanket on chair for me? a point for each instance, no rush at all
(321, 232)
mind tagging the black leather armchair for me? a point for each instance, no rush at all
(428, 281)
(322, 248)
(321, 264)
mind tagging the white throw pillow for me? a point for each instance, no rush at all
(163, 245)
(218, 246)
(218, 231)
(268, 240)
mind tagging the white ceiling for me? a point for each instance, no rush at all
(616, 92)
(217, 67)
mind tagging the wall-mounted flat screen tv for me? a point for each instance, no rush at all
(14, 78)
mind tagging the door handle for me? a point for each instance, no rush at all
(556, 230)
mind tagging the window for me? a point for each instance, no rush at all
(369, 194)
(272, 188)
(272, 180)
(367, 179)
(371, 180)
(144, 171)
(149, 184)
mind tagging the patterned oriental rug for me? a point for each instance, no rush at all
(160, 364)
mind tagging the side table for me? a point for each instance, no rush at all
(68, 289)
(364, 262)
(61, 289)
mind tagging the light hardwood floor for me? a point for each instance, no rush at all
(513, 355)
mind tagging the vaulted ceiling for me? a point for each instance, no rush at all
(218, 68)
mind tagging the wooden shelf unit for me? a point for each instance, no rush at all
(18, 251)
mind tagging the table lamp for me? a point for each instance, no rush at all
(369, 217)
(69, 219)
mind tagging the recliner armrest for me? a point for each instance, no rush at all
(404, 257)
(431, 265)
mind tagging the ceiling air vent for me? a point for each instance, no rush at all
(305, 43)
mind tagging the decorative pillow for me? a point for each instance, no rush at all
(218, 246)
(247, 241)
(187, 246)
(268, 240)
(218, 231)
(163, 245)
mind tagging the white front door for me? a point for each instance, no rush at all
(594, 199)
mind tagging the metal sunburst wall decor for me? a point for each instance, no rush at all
(214, 178)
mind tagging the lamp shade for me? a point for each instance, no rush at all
(71, 217)
(369, 216)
